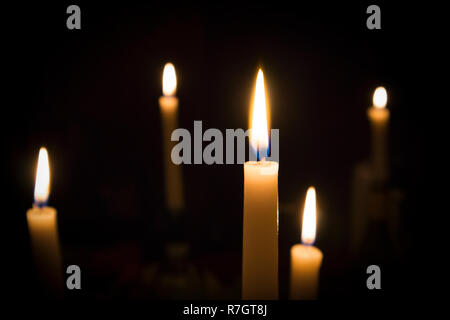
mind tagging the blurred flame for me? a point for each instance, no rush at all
(380, 98)
(169, 80)
(42, 186)
(259, 138)
(309, 218)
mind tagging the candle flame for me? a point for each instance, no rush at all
(169, 80)
(259, 138)
(380, 98)
(309, 217)
(42, 186)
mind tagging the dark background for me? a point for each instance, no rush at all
(90, 96)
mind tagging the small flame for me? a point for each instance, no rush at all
(169, 80)
(42, 186)
(380, 98)
(309, 218)
(259, 138)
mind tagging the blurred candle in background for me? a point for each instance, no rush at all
(168, 104)
(305, 258)
(379, 119)
(260, 229)
(43, 229)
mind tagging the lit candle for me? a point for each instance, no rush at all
(379, 118)
(43, 229)
(260, 230)
(305, 258)
(168, 104)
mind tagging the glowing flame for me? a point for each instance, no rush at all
(309, 218)
(42, 186)
(169, 80)
(259, 138)
(380, 98)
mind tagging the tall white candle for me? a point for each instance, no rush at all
(43, 229)
(260, 229)
(168, 105)
(378, 116)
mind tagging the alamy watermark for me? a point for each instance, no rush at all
(74, 20)
(374, 280)
(74, 279)
(213, 152)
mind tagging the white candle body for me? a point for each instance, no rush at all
(379, 119)
(305, 266)
(174, 187)
(260, 231)
(43, 229)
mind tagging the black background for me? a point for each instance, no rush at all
(90, 96)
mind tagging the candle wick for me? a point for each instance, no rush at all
(39, 204)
